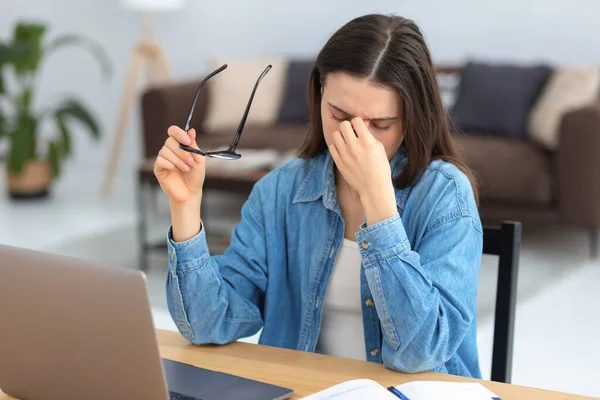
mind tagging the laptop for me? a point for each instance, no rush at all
(70, 329)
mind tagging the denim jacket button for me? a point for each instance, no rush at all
(369, 303)
(374, 352)
(365, 245)
(172, 257)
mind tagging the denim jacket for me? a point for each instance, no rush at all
(418, 279)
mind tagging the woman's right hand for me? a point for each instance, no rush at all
(180, 173)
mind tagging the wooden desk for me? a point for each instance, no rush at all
(307, 373)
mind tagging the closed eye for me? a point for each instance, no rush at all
(377, 127)
(381, 128)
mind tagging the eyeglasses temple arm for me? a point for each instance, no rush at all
(192, 150)
(189, 118)
(238, 133)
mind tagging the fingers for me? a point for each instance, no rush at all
(335, 154)
(348, 133)
(340, 147)
(338, 140)
(361, 129)
(351, 140)
(192, 135)
(169, 155)
(179, 135)
(163, 164)
(197, 157)
(173, 145)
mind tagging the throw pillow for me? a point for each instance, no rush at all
(496, 98)
(231, 89)
(294, 107)
(567, 89)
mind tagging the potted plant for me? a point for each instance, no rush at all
(33, 161)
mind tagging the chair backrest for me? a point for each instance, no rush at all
(505, 242)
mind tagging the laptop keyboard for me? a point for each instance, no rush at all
(177, 396)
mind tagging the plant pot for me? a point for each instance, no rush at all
(32, 183)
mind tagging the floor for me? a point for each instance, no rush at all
(557, 322)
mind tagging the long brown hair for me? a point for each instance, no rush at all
(391, 51)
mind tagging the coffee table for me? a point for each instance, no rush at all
(232, 181)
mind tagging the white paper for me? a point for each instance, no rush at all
(359, 389)
(436, 390)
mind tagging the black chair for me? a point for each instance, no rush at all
(505, 242)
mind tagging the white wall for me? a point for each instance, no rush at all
(558, 31)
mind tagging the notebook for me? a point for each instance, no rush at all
(418, 390)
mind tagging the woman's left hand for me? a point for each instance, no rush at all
(363, 162)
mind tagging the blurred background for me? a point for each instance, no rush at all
(83, 115)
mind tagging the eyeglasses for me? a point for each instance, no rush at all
(230, 153)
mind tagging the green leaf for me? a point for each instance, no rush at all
(54, 158)
(92, 46)
(2, 128)
(8, 53)
(5, 57)
(76, 110)
(25, 100)
(64, 145)
(22, 143)
(5, 53)
(10, 50)
(29, 36)
(2, 124)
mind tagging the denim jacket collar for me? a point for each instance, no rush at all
(320, 180)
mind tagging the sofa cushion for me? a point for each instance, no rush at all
(568, 88)
(294, 106)
(496, 99)
(508, 170)
(230, 91)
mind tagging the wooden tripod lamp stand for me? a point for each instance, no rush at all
(148, 56)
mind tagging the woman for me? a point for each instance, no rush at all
(367, 246)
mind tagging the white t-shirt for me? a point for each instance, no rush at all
(342, 332)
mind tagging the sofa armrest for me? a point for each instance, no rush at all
(169, 105)
(578, 163)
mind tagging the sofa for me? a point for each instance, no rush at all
(536, 157)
